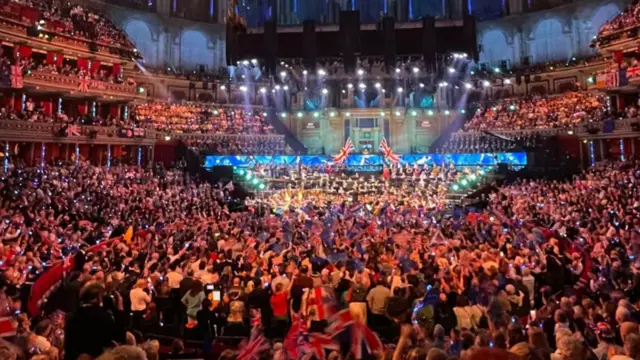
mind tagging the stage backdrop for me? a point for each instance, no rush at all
(517, 159)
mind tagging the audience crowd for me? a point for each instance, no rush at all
(624, 20)
(548, 270)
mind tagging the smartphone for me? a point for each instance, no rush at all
(217, 295)
(209, 287)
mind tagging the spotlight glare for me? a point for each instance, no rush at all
(245, 62)
(321, 72)
(243, 88)
(468, 86)
(446, 112)
(378, 85)
(223, 87)
(507, 81)
(486, 83)
(399, 89)
(332, 114)
(414, 113)
(416, 70)
(305, 72)
(264, 114)
(397, 70)
(254, 61)
(347, 114)
(286, 87)
(451, 70)
(325, 91)
(284, 114)
(362, 86)
(496, 70)
(316, 114)
(277, 87)
(360, 72)
(350, 85)
(382, 113)
(283, 73)
(430, 112)
(300, 114)
(263, 90)
(397, 113)
(421, 85)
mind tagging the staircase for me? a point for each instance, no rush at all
(282, 129)
(450, 129)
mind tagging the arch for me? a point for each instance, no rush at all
(194, 50)
(600, 16)
(140, 34)
(495, 47)
(549, 42)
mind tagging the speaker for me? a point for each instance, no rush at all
(201, 69)
(222, 172)
(429, 42)
(270, 46)
(350, 34)
(309, 44)
(469, 36)
(389, 41)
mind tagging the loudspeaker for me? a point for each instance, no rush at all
(222, 172)
(309, 44)
(429, 42)
(201, 69)
(350, 34)
(270, 46)
(470, 36)
(389, 40)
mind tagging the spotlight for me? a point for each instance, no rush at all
(451, 70)
(416, 70)
(464, 182)
(332, 114)
(305, 72)
(399, 89)
(254, 181)
(397, 113)
(421, 85)
(344, 91)
(360, 72)
(263, 90)
(446, 112)
(286, 87)
(321, 72)
(167, 138)
(254, 61)
(378, 85)
(507, 81)
(350, 85)
(316, 114)
(347, 114)
(468, 86)
(486, 83)
(277, 87)
(463, 111)
(264, 114)
(382, 113)
(325, 91)
(261, 186)
(245, 62)
(414, 113)
(283, 73)
(512, 107)
(284, 114)
(223, 87)
(299, 114)
(473, 177)
(397, 70)
(384, 91)
(455, 187)
(243, 88)
(241, 172)
(430, 112)
(496, 70)
(362, 86)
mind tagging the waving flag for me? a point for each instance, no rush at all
(16, 77)
(253, 349)
(291, 341)
(360, 333)
(83, 85)
(344, 152)
(388, 153)
(322, 301)
(317, 345)
(73, 130)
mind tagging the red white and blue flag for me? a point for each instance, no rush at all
(254, 348)
(388, 152)
(360, 333)
(322, 301)
(344, 152)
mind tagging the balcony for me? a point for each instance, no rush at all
(55, 82)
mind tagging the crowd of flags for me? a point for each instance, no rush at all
(348, 148)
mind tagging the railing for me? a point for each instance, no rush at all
(74, 84)
(622, 34)
(200, 136)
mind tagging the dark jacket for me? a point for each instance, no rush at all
(90, 330)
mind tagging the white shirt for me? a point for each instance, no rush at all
(173, 279)
(139, 299)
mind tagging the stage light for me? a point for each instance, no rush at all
(283, 73)
(464, 182)
(243, 88)
(248, 176)
(362, 86)
(245, 62)
(451, 70)
(332, 114)
(167, 138)
(360, 72)
(416, 70)
(468, 86)
(300, 114)
(382, 113)
(261, 186)
(570, 132)
(241, 172)
(455, 187)
(305, 72)
(384, 91)
(430, 112)
(421, 85)
(284, 114)
(286, 87)
(507, 81)
(473, 177)
(414, 113)
(397, 113)
(325, 91)
(496, 70)
(481, 172)
(344, 91)
(254, 181)
(254, 61)
(264, 114)
(263, 90)
(378, 85)
(216, 112)
(463, 111)
(347, 114)
(223, 87)
(397, 70)
(321, 72)
(399, 89)
(590, 80)
(512, 107)
(316, 114)
(486, 83)
(447, 112)
(350, 85)
(277, 87)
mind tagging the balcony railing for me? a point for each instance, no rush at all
(74, 84)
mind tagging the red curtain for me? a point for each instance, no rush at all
(32, 15)
(17, 104)
(115, 111)
(47, 107)
(116, 70)
(83, 63)
(51, 57)
(618, 55)
(25, 51)
(82, 109)
(59, 60)
(95, 65)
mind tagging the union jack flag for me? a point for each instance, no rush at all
(388, 153)
(73, 130)
(360, 333)
(256, 321)
(253, 349)
(16, 77)
(344, 152)
(291, 341)
(83, 85)
(317, 344)
(321, 300)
